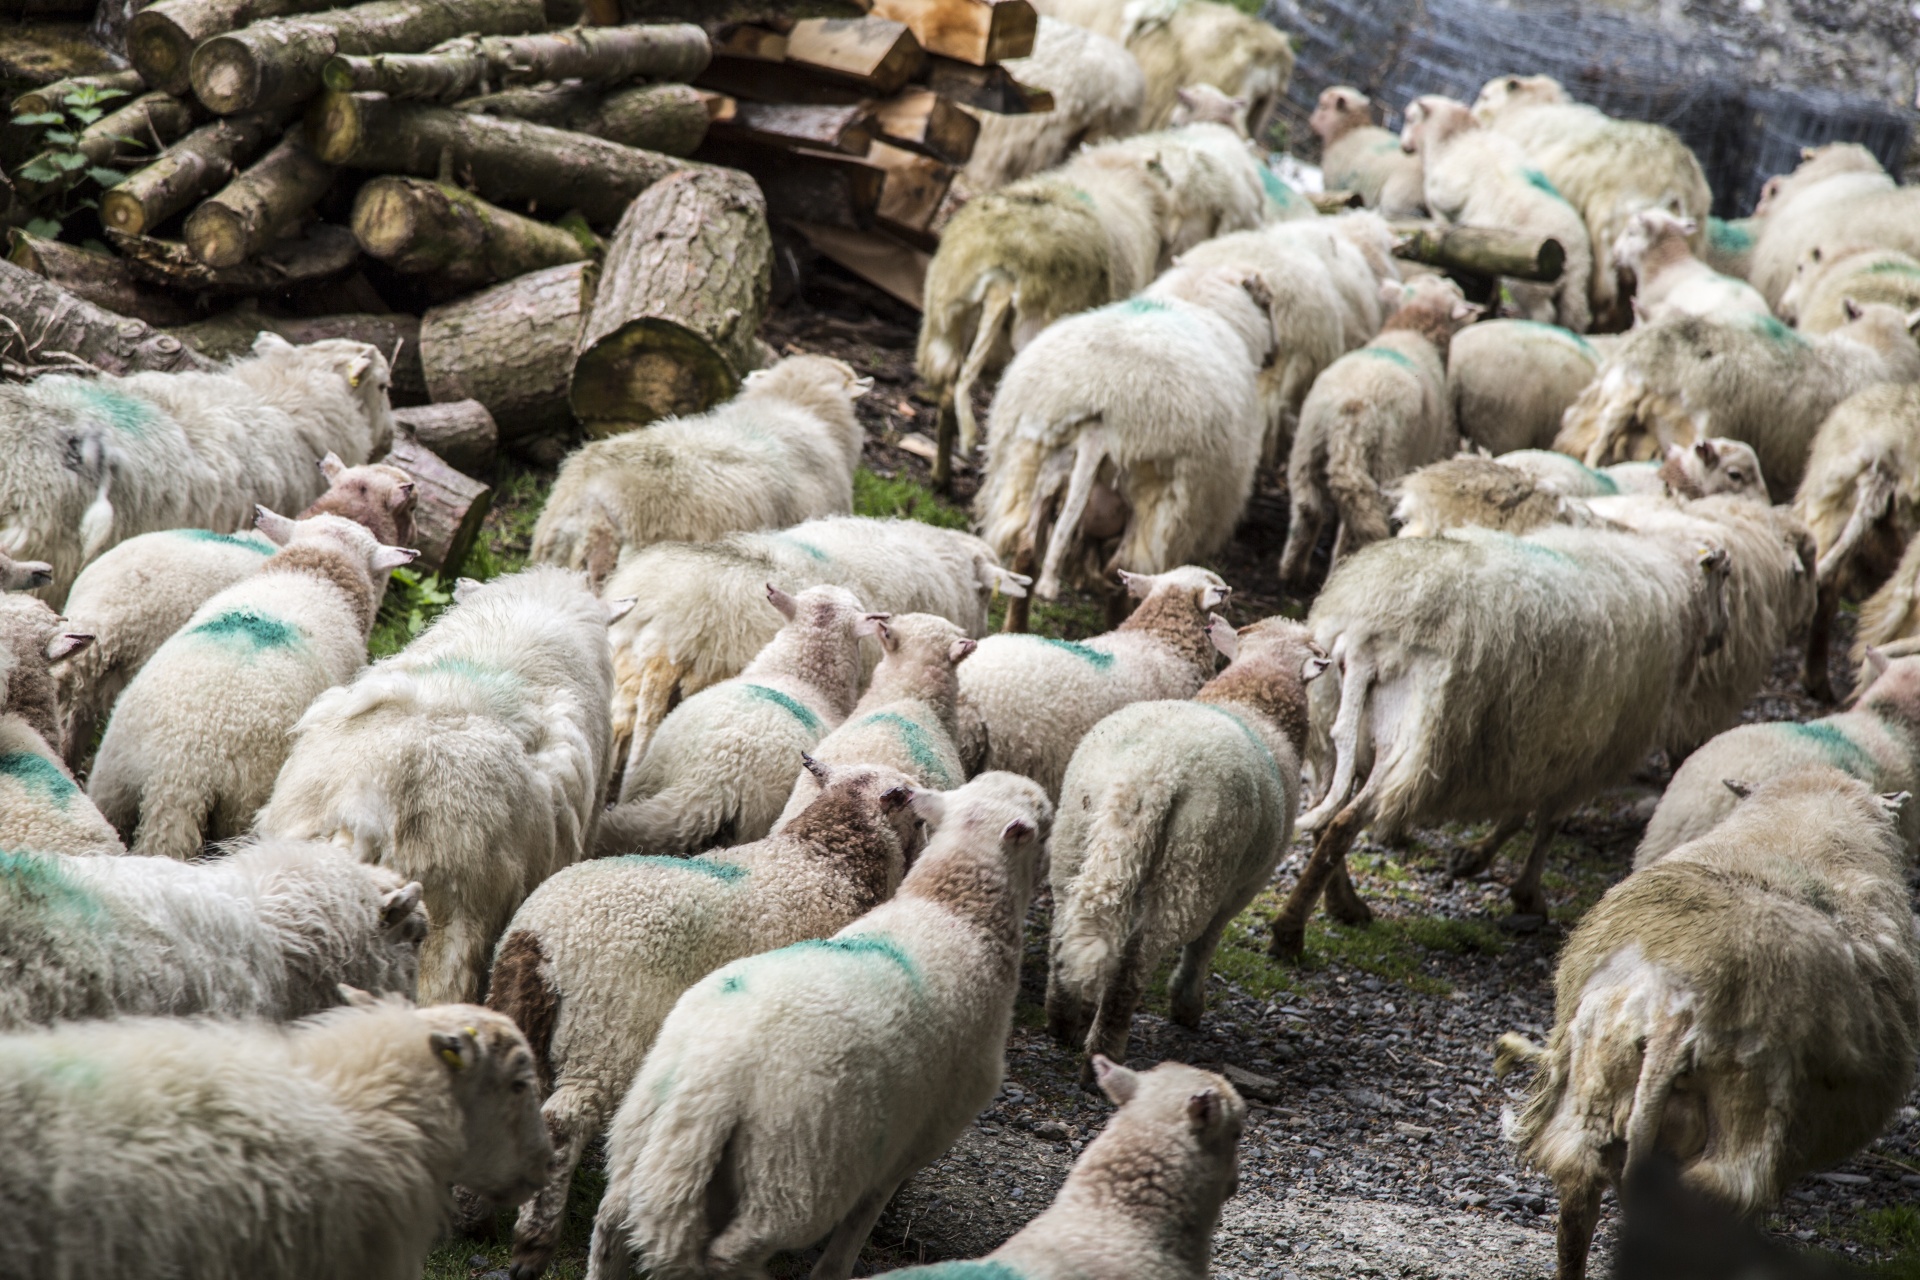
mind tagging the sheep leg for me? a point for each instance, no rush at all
(1343, 900)
(453, 962)
(472, 1214)
(1290, 924)
(610, 1253)
(536, 1232)
(1478, 856)
(1067, 1018)
(843, 1246)
(1818, 680)
(1113, 1018)
(1089, 452)
(1870, 503)
(1573, 1237)
(1528, 900)
(1303, 532)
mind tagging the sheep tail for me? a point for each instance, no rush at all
(96, 522)
(1124, 835)
(1668, 1056)
(170, 826)
(679, 820)
(1089, 452)
(1872, 496)
(996, 305)
(1513, 1051)
(1363, 508)
(1351, 739)
(685, 1160)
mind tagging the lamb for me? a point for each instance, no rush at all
(196, 740)
(782, 451)
(1180, 1122)
(1758, 381)
(32, 639)
(721, 765)
(473, 761)
(1656, 249)
(94, 461)
(1428, 634)
(1838, 195)
(1607, 169)
(1141, 422)
(896, 1027)
(23, 575)
(1746, 1005)
(1710, 465)
(1033, 698)
(269, 931)
(1826, 277)
(1373, 416)
(1501, 412)
(1481, 177)
(1358, 155)
(700, 615)
(595, 959)
(1172, 818)
(234, 1149)
(906, 718)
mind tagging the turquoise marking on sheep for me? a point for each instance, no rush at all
(1891, 269)
(1772, 330)
(1565, 335)
(795, 709)
(467, 669)
(1607, 485)
(1277, 191)
(1840, 750)
(259, 546)
(37, 773)
(122, 412)
(732, 985)
(807, 547)
(866, 944)
(1727, 237)
(38, 883)
(1142, 307)
(919, 746)
(1085, 652)
(723, 871)
(1540, 182)
(1266, 753)
(978, 1269)
(1082, 197)
(257, 631)
(1387, 353)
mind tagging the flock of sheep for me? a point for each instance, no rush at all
(777, 974)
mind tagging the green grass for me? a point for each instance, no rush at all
(904, 497)
(450, 1260)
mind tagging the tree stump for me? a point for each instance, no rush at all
(462, 432)
(253, 209)
(684, 286)
(511, 348)
(203, 161)
(431, 228)
(47, 329)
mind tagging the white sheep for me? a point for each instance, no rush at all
(269, 931)
(1748, 1005)
(195, 741)
(234, 1149)
(906, 718)
(1217, 182)
(1510, 381)
(1355, 249)
(1140, 423)
(1172, 817)
(1358, 155)
(895, 1028)
(94, 461)
(473, 761)
(41, 807)
(1374, 415)
(782, 451)
(721, 765)
(1839, 195)
(34, 639)
(1479, 177)
(596, 957)
(1026, 700)
(700, 612)
(23, 575)
(1889, 619)
(1656, 249)
(1708, 466)
(1827, 276)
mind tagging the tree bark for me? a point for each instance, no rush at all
(462, 432)
(511, 348)
(100, 278)
(45, 328)
(430, 228)
(975, 31)
(251, 211)
(53, 97)
(448, 507)
(669, 118)
(1487, 251)
(597, 55)
(148, 117)
(503, 160)
(277, 62)
(161, 38)
(558, 106)
(847, 129)
(681, 295)
(320, 251)
(203, 161)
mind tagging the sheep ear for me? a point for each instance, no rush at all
(393, 557)
(458, 1050)
(331, 467)
(1688, 226)
(1713, 559)
(66, 644)
(402, 495)
(1019, 831)
(930, 807)
(463, 589)
(1467, 312)
(1186, 96)
(1739, 788)
(875, 625)
(1204, 1109)
(1894, 801)
(1709, 454)
(1137, 584)
(1115, 1080)
(781, 601)
(822, 773)
(358, 370)
(1212, 597)
(1389, 293)
(1313, 668)
(266, 340)
(960, 648)
(1006, 581)
(278, 528)
(860, 387)
(1913, 323)
(1877, 660)
(400, 903)
(894, 798)
(1224, 637)
(618, 609)
(1256, 288)
(1853, 309)
(356, 998)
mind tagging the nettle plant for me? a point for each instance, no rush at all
(62, 180)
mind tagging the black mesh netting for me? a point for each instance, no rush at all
(1743, 132)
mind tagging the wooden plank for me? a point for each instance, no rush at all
(983, 88)
(720, 107)
(751, 80)
(975, 31)
(911, 194)
(894, 268)
(448, 507)
(874, 54)
(845, 129)
(921, 120)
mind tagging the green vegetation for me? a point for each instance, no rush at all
(66, 180)
(904, 497)
(453, 1259)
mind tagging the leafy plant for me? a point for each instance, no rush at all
(413, 600)
(63, 173)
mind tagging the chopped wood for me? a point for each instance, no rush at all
(983, 88)
(751, 80)
(757, 43)
(448, 507)
(596, 55)
(431, 228)
(203, 161)
(669, 118)
(685, 284)
(808, 186)
(975, 31)
(511, 347)
(719, 106)
(161, 38)
(41, 52)
(911, 193)
(921, 120)
(145, 124)
(252, 211)
(320, 251)
(890, 266)
(876, 55)
(1484, 251)
(846, 129)
(99, 278)
(462, 432)
(53, 97)
(44, 328)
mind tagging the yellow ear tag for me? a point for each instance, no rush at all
(354, 381)
(452, 1058)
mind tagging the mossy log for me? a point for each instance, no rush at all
(669, 118)
(48, 328)
(146, 124)
(1485, 251)
(511, 348)
(203, 161)
(100, 278)
(595, 55)
(461, 431)
(686, 281)
(250, 212)
(431, 228)
(161, 38)
(52, 97)
(320, 251)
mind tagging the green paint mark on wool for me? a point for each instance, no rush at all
(1540, 182)
(1728, 238)
(793, 708)
(467, 669)
(980, 1269)
(1565, 335)
(1891, 269)
(1386, 353)
(257, 545)
(39, 883)
(1082, 197)
(1085, 652)
(874, 945)
(1273, 766)
(37, 773)
(1277, 191)
(122, 412)
(732, 985)
(724, 871)
(252, 628)
(805, 547)
(1141, 307)
(1773, 331)
(1843, 752)
(914, 736)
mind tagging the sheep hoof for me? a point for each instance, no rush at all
(1348, 909)
(1186, 1012)
(1528, 902)
(1468, 862)
(1289, 941)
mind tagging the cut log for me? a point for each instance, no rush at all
(668, 118)
(596, 55)
(203, 161)
(53, 97)
(751, 80)
(846, 129)
(511, 348)
(453, 71)
(250, 212)
(144, 125)
(875, 55)
(45, 328)
(983, 88)
(462, 432)
(503, 160)
(1486, 251)
(555, 105)
(277, 63)
(685, 284)
(756, 43)
(808, 186)
(448, 507)
(975, 31)
(320, 251)
(890, 266)
(911, 193)
(35, 53)
(431, 228)
(161, 38)
(921, 120)
(100, 278)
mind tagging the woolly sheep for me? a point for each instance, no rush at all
(41, 807)
(1358, 155)
(269, 931)
(596, 957)
(895, 1027)
(906, 718)
(1655, 248)
(1756, 379)
(700, 612)
(1772, 965)
(1028, 700)
(33, 638)
(227, 1150)
(1139, 423)
(1217, 182)
(1888, 618)
(1478, 176)
(1498, 676)
(1354, 249)
(1172, 818)
(94, 461)
(23, 575)
(782, 451)
(1471, 491)
(1824, 281)
(473, 761)
(194, 743)
(1510, 381)
(1838, 195)
(1180, 1122)
(721, 765)
(1374, 415)
(1708, 466)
